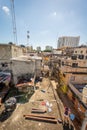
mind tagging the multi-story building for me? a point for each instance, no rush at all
(80, 52)
(73, 78)
(29, 49)
(75, 67)
(15, 59)
(68, 41)
(38, 49)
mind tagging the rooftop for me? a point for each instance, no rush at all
(26, 58)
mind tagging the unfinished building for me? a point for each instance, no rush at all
(25, 65)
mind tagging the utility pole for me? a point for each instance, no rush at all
(14, 21)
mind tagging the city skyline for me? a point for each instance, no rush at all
(46, 21)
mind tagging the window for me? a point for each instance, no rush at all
(81, 51)
(74, 57)
(62, 63)
(74, 64)
(4, 64)
(81, 56)
(75, 51)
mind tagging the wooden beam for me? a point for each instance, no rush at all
(41, 116)
(41, 119)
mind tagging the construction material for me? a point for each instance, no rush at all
(41, 118)
(39, 110)
(43, 91)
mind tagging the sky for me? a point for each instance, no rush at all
(46, 21)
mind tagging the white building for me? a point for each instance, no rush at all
(57, 51)
(68, 41)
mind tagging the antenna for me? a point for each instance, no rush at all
(14, 21)
(28, 38)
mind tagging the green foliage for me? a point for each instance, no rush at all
(47, 51)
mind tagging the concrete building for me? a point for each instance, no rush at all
(76, 97)
(8, 51)
(75, 67)
(25, 65)
(80, 52)
(38, 49)
(29, 49)
(73, 73)
(75, 70)
(57, 52)
(68, 41)
(16, 60)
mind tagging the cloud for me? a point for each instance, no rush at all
(6, 10)
(53, 14)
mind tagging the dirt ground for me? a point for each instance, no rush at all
(16, 121)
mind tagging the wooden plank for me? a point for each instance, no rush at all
(41, 119)
(41, 116)
(38, 111)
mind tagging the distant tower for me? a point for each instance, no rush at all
(28, 38)
(14, 21)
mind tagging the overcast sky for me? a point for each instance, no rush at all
(46, 20)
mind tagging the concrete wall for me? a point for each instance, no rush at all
(38, 67)
(80, 51)
(5, 53)
(16, 51)
(57, 52)
(79, 78)
(8, 51)
(76, 78)
(20, 68)
(77, 104)
(84, 95)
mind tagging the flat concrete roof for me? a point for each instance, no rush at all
(26, 58)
